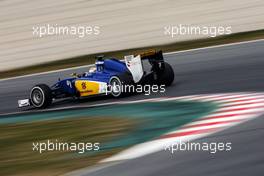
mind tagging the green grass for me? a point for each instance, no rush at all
(89, 59)
(127, 125)
(18, 158)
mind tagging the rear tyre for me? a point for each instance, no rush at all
(166, 76)
(118, 83)
(41, 96)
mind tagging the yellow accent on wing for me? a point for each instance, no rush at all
(87, 88)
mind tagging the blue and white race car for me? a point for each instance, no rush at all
(107, 77)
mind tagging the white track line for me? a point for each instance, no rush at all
(228, 114)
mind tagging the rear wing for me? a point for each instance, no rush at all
(135, 66)
(155, 58)
(152, 56)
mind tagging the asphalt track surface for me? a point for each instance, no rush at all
(236, 68)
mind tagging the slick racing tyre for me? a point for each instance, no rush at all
(41, 96)
(117, 84)
(166, 76)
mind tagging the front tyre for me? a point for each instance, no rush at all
(41, 96)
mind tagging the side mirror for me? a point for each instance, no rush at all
(74, 74)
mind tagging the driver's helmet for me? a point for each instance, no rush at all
(92, 69)
(99, 63)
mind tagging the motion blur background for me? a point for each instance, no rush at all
(123, 24)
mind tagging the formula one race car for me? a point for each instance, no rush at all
(107, 76)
